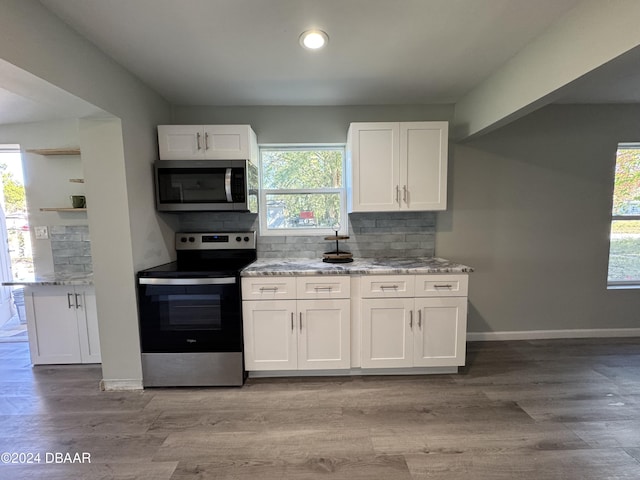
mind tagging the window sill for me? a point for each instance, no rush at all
(627, 286)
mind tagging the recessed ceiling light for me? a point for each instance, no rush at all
(313, 39)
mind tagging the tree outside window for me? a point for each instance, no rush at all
(624, 252)
(302, 190)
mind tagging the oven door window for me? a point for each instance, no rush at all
(192, 318)
(186, 312)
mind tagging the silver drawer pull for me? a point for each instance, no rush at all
(268, 289)
(443, 286)
(323, 289)
(386, 287)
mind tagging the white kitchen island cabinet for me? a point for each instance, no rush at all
(397, 166)
(207, 142)
(63, 324)
(308, 329)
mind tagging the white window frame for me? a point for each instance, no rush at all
(301, 231)
(617, 284)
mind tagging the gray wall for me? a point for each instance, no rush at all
(530, 209)
(125, 231)
(307, 124)
(47, 180)
(372, 234)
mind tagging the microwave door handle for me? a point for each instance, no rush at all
(227, 185)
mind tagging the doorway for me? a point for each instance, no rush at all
(16, 260)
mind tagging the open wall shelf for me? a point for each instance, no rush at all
(63, 209)
(54, 151)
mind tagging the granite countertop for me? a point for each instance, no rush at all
(360, 266)
(55, 279)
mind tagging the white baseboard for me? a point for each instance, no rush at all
(118, 385)
(548, 334)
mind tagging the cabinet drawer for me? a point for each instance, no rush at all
(442, 285)
(387, 286)
(323, 287)
(268, 288)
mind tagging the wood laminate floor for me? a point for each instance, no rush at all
(561, 409)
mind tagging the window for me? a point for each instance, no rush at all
(624, 252)
(302, 190)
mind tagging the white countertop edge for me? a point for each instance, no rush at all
(53, 280)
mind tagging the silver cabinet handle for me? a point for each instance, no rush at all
(198, 140)
(292, 327)
(268, 289)
(70, 300)
(411, 319)
(449, 286)
(206, 140)
(300, 321)
(323, 289)
(420, 318)
(398, 194)
(78, 304)
(386, 287)
(404, 193)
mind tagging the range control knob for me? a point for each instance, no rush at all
(238, 239)
(192, 239)
(246, 239)
(183, 239)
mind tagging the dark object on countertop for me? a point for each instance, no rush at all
(337, 256)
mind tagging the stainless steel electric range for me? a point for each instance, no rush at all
(191, 312)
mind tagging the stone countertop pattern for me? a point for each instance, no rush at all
(55, 279)
(360, 266)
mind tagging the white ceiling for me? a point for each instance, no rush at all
(246, 52)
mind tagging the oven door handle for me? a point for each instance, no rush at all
(187, 281)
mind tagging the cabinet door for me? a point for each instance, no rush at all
(440, 336)
(85, 305)
(324, 339)
(423, 165)
(181, 142)
(228, 142)
(52, 324)
(270, 335)
(374, 169)
(387, 338)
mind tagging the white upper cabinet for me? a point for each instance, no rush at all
(212, 142)
(397, 166)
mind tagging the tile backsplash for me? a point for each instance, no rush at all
(389, 234)
(71, 248)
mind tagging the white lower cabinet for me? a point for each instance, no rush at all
(441, 334)
(401, 330)
(296, 334)
(63, 324)
(399, 322)
(324, 334)
(387, 340)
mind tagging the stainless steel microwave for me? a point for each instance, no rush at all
(206, 185)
